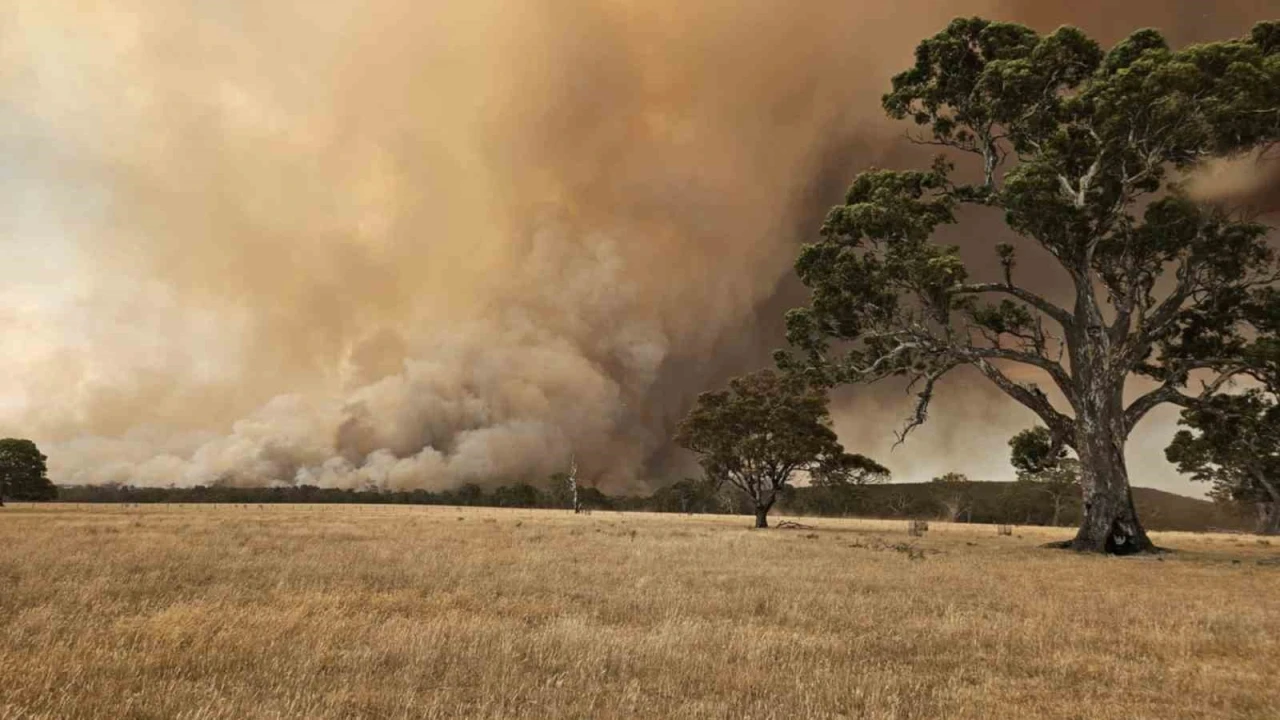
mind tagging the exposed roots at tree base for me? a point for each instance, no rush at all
(1122, 550)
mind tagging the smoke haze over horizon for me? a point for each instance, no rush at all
(417, 244)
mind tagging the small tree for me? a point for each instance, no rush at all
(761, 432)
(572, 481)
(564, 490)
(1044, 465)
(952, 491)
(23, 472)
(1075, 148)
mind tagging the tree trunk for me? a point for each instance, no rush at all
(762, 517)
(1110, 522)
(573, 484)
(1268, 518)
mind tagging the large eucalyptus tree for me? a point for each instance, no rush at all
(1081, 149)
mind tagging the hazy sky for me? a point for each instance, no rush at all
(422, 243)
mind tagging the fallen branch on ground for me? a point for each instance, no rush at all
(789, 525)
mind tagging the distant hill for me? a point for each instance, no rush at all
(1015, 503)
(1161, 510)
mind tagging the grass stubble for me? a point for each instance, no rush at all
(433, 612)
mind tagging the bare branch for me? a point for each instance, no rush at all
(1033, 398)
(1052, 367)
(921, 412)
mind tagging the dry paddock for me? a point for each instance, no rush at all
(431, 612)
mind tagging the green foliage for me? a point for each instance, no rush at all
(846, 470)
(1093, 133)
(1233, 442)
(1033, 451)
(763, 430)
(1080, 148)
(23, 473)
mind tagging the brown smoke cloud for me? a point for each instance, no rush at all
(415, 244)
(1249, 185)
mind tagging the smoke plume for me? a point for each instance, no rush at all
(417, 244)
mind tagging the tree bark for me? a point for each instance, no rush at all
(762, 517)
(1110, 522)
(1268, 510)
(1268, 518)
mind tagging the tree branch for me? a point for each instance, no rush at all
(921, 412)
(1061, 315)
(1168, 392)
(1053, 368)
(1150, 326)
(1033, 399)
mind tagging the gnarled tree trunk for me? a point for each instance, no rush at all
(1110, 522)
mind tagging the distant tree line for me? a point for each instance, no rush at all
(522, 495)
(1014, 503)
(685, 496)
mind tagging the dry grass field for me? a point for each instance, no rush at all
(430, 612)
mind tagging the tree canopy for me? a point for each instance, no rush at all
(1080, 149)
(1233, 439)
(1033, 451)
(763, 430)
(1233, 442)
(954, 492)
(23, 473)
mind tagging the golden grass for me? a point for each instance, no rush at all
(408, 612)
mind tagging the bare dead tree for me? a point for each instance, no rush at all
(573, 484)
